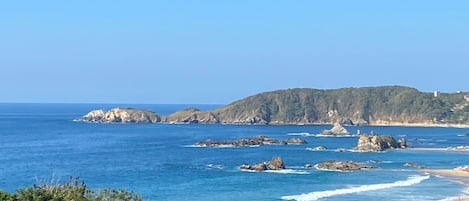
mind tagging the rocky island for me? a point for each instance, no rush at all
(253, 141)
(121, 115)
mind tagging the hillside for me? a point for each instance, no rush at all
(367, 105)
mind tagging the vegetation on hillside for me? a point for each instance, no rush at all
(73, 190)
(374, 105)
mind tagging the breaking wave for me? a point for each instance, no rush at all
(373, 187)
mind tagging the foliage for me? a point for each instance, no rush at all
(371, 104)
(73, 190)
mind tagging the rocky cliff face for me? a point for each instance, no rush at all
(374, 143)
(192, 115)
(369, 105)
(121, 115)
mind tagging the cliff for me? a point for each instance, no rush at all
(367, 105)
(121, 115)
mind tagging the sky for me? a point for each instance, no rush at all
(215, 52)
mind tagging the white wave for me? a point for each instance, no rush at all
(285, 171)
(301, 134)
(214, 166)
(322, 135)
(373, 187)
(195, 146)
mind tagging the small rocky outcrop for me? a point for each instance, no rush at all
(121, 115)
(296, 140)
(275, 164)
(374, 143)
(341, 166)
(254, 141)
(338, 129)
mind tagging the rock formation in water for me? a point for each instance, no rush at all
(336, 130)
(121, 115)
(374, 143)
(253, 141)
(341, 166)
(275, 164)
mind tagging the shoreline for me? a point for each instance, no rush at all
(452, 174)
(436, 149)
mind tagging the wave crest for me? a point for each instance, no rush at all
(373, 187)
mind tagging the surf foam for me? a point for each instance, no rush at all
(373, 187)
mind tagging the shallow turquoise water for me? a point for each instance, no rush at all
(41, 142)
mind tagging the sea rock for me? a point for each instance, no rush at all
(275, 164)
(336, 130)
(296, 141)
(253, 141)
(259, 167)
(308, 165)
(341, 166)
(121, 115)
(374, 143)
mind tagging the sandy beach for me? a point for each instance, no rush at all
(453, 174)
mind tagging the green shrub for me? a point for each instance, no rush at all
(73, 190)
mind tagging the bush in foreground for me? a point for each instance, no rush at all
(73, 190)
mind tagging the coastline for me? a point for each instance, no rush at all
(436, 149)
(452, 174)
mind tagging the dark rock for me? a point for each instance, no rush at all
(374, 143)
(296, 141)
(308, 165)
(341, 166)
(276, 164)
(254, 141)
(259, 167)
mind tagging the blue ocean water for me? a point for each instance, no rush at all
(41, 142)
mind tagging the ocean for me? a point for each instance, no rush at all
(43, 143)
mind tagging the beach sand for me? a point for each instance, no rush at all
(456, 175)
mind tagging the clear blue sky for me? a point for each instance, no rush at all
(219, 51)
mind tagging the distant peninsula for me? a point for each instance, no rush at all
(386, 105)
